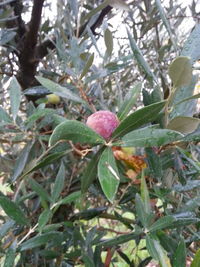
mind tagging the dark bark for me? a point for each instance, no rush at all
(27, 58)
(30, 52)
(42, 50)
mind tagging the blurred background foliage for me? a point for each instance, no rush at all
(97, 55)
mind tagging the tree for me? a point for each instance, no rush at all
(71, 196)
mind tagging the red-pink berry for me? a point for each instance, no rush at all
(103, 122)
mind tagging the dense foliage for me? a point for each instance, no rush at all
(69, 197)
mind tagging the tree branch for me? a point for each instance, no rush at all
(42, 50)
(18, 7)
(27, 58)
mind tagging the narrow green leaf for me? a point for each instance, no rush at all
(4, 117)
(180, 71)
(140, 211)
(179, 256)
(95, 10)
(154, 163)
(162, 223)
(165, 21)
(13, 211)
(6, 227)
(39, 113)
(70, 198)
(87, 65)
(129, 101)
(196, 260)
(15, 96)
(44, 218)
(48, 160)
(190, 185)
(88, 214)
(157, 252)
(138, 119)
(118, 240)
(21, 162)
(87, 260)
(90, 172)
(188, 98)
(108, 174)
(145, 194)
(76, 132)
(59, 183)
(140, 60)
(108, 39)
(150, 136)
(10, 258)
(191, 46)
(186, 108)
(195, 136)
(43, 239)
(59, 90)
(39, 190)
(167, 242)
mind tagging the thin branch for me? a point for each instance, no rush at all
(27, 58)
(18, 8)
(32, 34)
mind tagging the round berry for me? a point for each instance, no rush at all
(103, 122)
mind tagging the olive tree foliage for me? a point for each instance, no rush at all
(69, 197)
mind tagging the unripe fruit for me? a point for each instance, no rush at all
(53, 99)
(103, 122)
(128, 150)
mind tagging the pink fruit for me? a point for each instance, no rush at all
(103, 122)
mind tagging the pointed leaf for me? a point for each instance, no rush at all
(179, 256)
(59, 183)
(43, 239)
(138, 119)
(39, 190)
(59, 90)
(119, 240)
(150, 136)
(87, 65)
(140, 211)
(76, 132)
(48, 160)
(10, 258)
(157, 252)
(21, 162)
(4, 117)
(90, 172)
(180, 71)
(162, 223)
(70, 198)
(13, 210)
(165, 21)
(39, 113)
(141, 61)
(186, 108)
(108, 174)
(191, 46)
(15, 96)
(108, 39)
(196, 260)
(44, 218)
(145, 194)
(129, 101)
